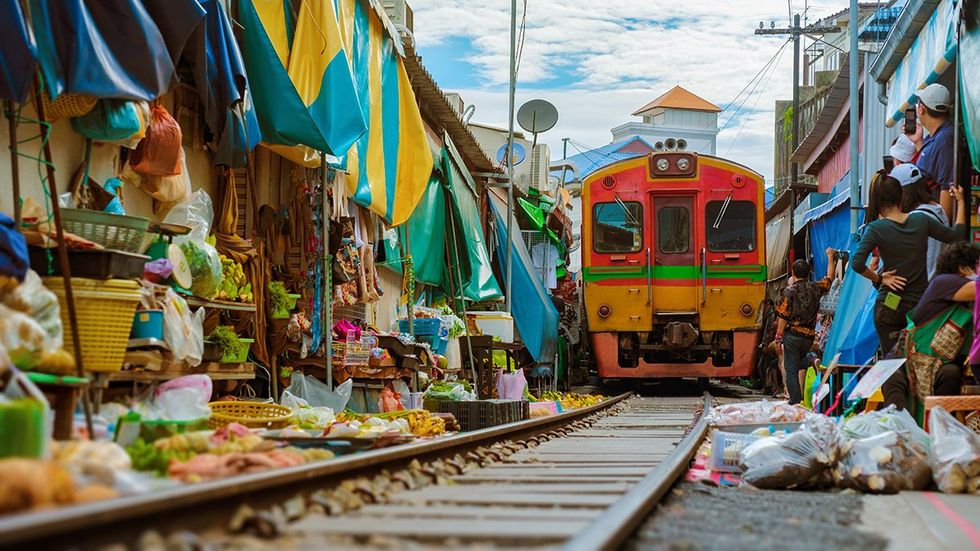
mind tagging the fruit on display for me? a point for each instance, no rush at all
(572, 400)
(234, 286)
(420, 421)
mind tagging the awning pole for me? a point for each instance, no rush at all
(510, 152)
(62, 252)
(14, 168)
(327, 270)
(852, 29)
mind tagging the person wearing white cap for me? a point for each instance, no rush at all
(917, 200)
(903, 150)
(936, 150)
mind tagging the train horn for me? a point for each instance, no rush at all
(671, 143)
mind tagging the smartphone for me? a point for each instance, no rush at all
(909, 121)
(888, 162)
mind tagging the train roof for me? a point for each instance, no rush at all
(618, 163)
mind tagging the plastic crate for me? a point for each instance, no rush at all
(481, 414)
(90, 264)
(423, 326)
(725, 449)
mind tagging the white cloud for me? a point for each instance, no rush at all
(620, 54)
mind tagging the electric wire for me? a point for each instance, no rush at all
(756, 104)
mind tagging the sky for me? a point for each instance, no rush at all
(600, 60)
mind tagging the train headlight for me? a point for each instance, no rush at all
(663, 164)
(747, 310)
(604, 311)
(683, 164)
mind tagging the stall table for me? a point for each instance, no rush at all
(62, 393)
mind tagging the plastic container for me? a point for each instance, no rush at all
(148, 324)
(284, 313)
(104, 309)
(112, 231)
(242, 355)
(423, 326)
(481, 414)
(496, 324)
(725, 448)
(90, 264)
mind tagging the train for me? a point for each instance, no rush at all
(673, 266)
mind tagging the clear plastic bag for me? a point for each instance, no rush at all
(316, 393)
(791, 460)
(887, 463)
(955, 454)
(762, 411)
(182, 399)
(197, 213)
(874, 423)
(22, 337)
(44, 308)
(183, 330)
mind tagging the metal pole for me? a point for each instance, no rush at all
(510, 151)
(852, 29)
(14, 167)
(795, 170)
(327, 270)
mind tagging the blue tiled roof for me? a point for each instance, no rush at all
(592, 160)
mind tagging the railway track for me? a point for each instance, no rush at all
(586, 479)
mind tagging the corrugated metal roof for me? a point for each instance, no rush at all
(679, 98)
(592, 160)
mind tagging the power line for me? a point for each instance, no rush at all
(757, 98)
(520, 40)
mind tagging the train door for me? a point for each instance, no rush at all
(732, 273)
(674, 255)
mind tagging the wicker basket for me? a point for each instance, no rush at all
(67, 106)
(112, 231)
(960, 407)
(104, 309)
(254, 415)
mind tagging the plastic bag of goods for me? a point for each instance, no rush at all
(789, 460)
(955, 454)
(197, 213)
(318, 394)
(883, 464)
(158, 154)
(878, 422)
(762, 411)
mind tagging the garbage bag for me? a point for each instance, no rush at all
(790, 460)
(955, 454)
(878, 422)
(158, 154)
(317, 393)
(883, 464)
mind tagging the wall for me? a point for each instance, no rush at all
(68, 152)
(838, 164)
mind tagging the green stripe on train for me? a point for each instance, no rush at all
(754, 273)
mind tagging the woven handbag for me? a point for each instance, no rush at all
(67, 106)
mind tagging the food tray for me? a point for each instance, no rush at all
(90, 264)
(481, 414)
(725, 449)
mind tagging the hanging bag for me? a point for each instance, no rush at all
(158, 154)
(111, 120)
(935, 343)
(86, 193)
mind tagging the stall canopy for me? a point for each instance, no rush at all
(302, 85)
(970, 77)
(852, 333)
(83, 49)
(534, 313)
(829, 224)
(390, 163)
(777, 245)
(933, 50)
(18, 54)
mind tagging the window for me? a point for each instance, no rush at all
(735, 230)
(673, 230)
(617, 227)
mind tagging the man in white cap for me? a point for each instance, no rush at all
(936, 151)
(903, 150)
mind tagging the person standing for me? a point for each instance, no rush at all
(902, 241)
(917, 199)
(936, 151)
(797, 320)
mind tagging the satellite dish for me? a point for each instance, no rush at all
(537, 116)
(519, 154)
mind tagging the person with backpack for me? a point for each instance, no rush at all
(917, 199)
(797, 320)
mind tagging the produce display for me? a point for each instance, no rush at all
(572, 400)
(234, 286)
(206, 268)
(886, 464)
(955, 454)
(763, 411)
(420, 421)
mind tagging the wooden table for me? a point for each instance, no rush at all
(62, 393)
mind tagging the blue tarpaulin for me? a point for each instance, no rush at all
(833, 230)
(853, 331)
(18, 54)
(534, 313)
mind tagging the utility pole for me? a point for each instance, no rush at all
(852, 28)
(509, 270)
(796, 31)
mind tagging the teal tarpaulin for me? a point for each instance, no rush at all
(534, 313)
(426, 237)
(970, 77)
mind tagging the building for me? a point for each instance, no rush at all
(678, 115)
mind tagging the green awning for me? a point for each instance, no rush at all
(426, 236)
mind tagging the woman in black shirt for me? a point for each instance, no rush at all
(902, 241)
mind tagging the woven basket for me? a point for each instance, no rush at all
(254, 415)
(104, 309)
(963, 408)
(112, 231)
(67, 106)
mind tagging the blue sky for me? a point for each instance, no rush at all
(598, 61)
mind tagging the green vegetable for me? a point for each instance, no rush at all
(205, 268)
(226, 339)
(147, 457)
(279, 297)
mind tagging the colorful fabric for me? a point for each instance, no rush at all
(390, 164)
(301, 81)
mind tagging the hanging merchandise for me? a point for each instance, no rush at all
(159, 153)
(111, 120)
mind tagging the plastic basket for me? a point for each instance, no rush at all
(423, 326)
(254, 415)
(112, 231)
(104, 310)
(725, 448)
(481, 414)
(241, 356)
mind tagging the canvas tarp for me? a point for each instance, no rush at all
(970, 77)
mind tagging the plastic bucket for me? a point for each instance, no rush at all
(147, 324)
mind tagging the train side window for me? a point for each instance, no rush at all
(736, 226)
(617, 227)
(673, 230)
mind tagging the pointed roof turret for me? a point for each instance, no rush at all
(679, 98)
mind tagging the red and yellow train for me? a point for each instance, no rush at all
(674, 266)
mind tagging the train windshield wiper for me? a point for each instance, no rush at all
(631, 219)
(721, 213)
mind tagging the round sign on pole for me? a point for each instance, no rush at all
(537, 116)
(517, 158)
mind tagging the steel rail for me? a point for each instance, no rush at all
(201, 506)
(617, 524)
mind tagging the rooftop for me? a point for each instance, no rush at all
(679, 98)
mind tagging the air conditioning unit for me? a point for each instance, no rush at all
(540, 161)
(400, 13)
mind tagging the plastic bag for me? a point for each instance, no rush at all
(182, 399)
(389, 400)
(305, 415)
(886, 464)
(790, 460)
(955, 454)
(112, 120)
(762, 411)
(197, 213)
(183, 330)
(169, 189)
(158, 154)
(21, 336)
(511, 386)
(316, 393)
(889, 419)
(44, 307)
